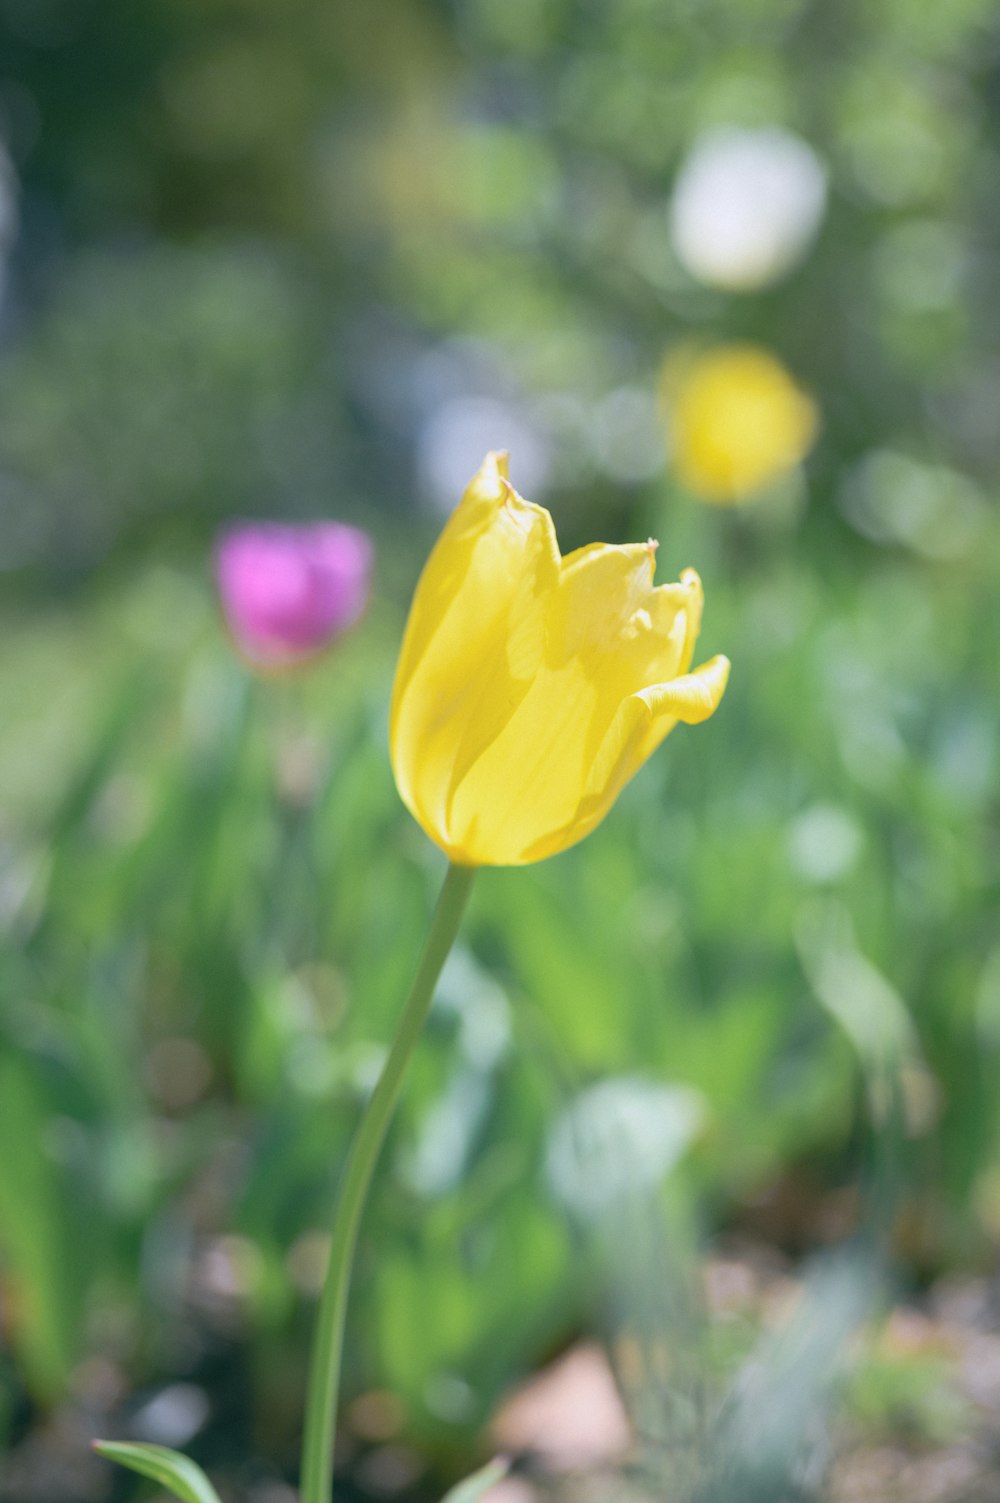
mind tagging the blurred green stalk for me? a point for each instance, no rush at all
(324, 1374)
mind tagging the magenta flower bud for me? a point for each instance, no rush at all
(287, 591)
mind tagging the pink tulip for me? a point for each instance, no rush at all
(287, 591)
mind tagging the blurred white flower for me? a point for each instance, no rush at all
(746, 206)
(173, 1416)
(457, 434)
(619, 1139)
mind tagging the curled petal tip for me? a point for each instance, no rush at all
(691, 698)
(497, 462)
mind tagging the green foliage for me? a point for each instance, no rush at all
(221, 902)
(46, 1288)
(254, 267)
(176, 1473)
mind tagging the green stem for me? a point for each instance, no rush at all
(324, 1374)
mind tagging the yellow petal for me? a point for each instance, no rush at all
(473, 641)
(609, 635)
(530, 777)
(608, 613)
(642, 722)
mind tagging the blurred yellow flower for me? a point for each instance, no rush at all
(738, 420)
(531, 687)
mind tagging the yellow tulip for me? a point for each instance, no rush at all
(738, 421)
(531, 687)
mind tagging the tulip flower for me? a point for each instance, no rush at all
(738, 421)
(531, 687)
(287, 591)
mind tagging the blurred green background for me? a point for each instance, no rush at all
(312, 261)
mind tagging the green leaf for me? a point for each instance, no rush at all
(34, 1226)
(479, 1483)
(169, 1468)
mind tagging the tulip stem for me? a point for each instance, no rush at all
(324, 1373)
